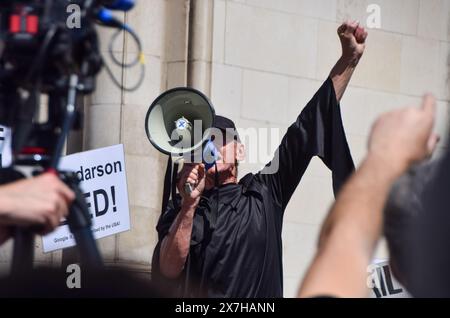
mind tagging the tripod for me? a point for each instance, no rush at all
(42, 53)
(42, 153)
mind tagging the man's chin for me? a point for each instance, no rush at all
(211, 180)
(209, 183)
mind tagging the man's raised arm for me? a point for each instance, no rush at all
(318, 130)
(353, 41)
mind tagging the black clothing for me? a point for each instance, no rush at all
(242, 256)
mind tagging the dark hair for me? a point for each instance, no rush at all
(402, 210)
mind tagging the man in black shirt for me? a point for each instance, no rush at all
(226, 241)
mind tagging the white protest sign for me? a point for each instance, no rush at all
(383, 283)
(5, 147)
(104, 184)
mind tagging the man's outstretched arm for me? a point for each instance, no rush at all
(318, 131)
(353, 227)
(353, 40)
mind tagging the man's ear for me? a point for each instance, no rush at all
(240, 152)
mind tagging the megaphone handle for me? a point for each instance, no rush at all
(188, 188)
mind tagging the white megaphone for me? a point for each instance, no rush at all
(178, 124)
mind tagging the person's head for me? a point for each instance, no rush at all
(402, 210)
(226, 139)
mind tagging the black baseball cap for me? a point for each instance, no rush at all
(227, 126)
